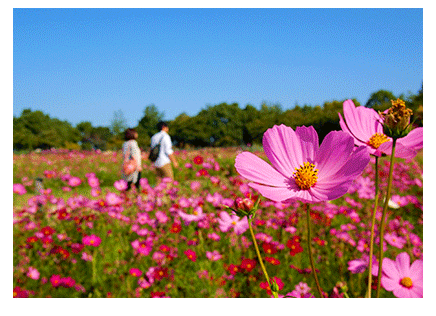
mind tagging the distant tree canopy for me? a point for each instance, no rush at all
(218, 125)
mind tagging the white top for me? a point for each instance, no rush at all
(131, 148)
(165, 148)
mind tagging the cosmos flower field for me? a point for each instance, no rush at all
(81, 234)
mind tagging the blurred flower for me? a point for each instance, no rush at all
(401, 278)
(93, 182)
(55, 280)
(278, 281)
(198, 160)
(19, 189)
(74, 181)
(302, 169)
(213, 256)
(120, 185)
(395, 240)
(33, 273)
(113, 199)
(191, 255)
(227, 221)
(197, 214)
(248, 264)
(135, 272)
(272, 260)
(91, 240)
(195, 185)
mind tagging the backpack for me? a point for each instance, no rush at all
(154, 152)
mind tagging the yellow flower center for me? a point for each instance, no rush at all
(306, 176)
(195, 213)
(233, 223)
(377, 139)
(406, 282)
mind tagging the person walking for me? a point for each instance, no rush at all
(166, 155)
(131, 151)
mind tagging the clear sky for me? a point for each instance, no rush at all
(85, 64)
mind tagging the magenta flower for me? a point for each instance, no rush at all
(213, 255)
(33, 273)
(227, 221)
(403, 279)
(395, 240)
(93, 182)
(19, 189)
(135, 272)
(113, 199)
(302, 169)
(191, 255)
(91, 240)
(365, 126)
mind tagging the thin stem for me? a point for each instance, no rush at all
(371, 244)
(383, 220)
(260, 258)
(309, 238)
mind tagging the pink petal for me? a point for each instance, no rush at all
(403, 264)
(283, 149)
(403, 292)
(414, 140)
(360, 120)
(327, 191)
(345, 128)
(309, 142)
(273, 193)
(416, 272)
(255, 169)
(390, 269)
(333, 153)
(390, 284)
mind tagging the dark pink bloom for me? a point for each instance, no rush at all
(19, 188)
(120, 185)
(91, 240)
(191, 255)
(302, 169)
(74, 181)
(55, 280)
(93, 182)
(135, 272)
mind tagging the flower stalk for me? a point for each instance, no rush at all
(312, 263)
(383, 220)
(371, 243)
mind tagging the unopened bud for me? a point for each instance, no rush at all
(244, 204)
(274, 286)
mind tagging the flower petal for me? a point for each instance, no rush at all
(361, 121)
(273, 193)
(416, 272)
(345, 129)
(333, 153)
(283, 149)
(389, 268)
(309, 142)
(414, 139)
(403, 264)
(255, 169)
(389, 284)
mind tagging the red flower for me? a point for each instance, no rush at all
(164, 248)
(203, 172)
(32, 239)
(157, 294)
(47, 231)
(248, 264)
(160, 273)
(63, 214)
(176, 228)
(198, 160)
(269, 248)
(191, 255)
(272, 260)
(233, 269)
(294, 245)
(20, 293)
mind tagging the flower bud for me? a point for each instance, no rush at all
(274, 286)
(397, 120)
(244, 204)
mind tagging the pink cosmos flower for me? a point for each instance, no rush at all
(197, 214)
(33, 273)
(302, 169)
(365, 126)
(91, 240)
(213, 255)
(55, 280)
(113, 199)
(19, 189)
(95, 191)
(143, 247)
(120, 185)
(395, 240)
(403, 279)
(227, 221)
(195, 185)
(74, 181)
(93, 182)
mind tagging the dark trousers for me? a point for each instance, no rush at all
(129, 183)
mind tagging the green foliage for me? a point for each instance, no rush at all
(220, 125)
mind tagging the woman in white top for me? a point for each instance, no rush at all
(131, 150)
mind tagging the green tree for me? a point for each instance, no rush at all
(151, 117)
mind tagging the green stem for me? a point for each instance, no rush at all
(383, 220)
(309, 243)
(371, 244)
(260, 258)
(94, 267)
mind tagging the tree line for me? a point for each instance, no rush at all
(219, 125)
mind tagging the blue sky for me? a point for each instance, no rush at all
(85, 64)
